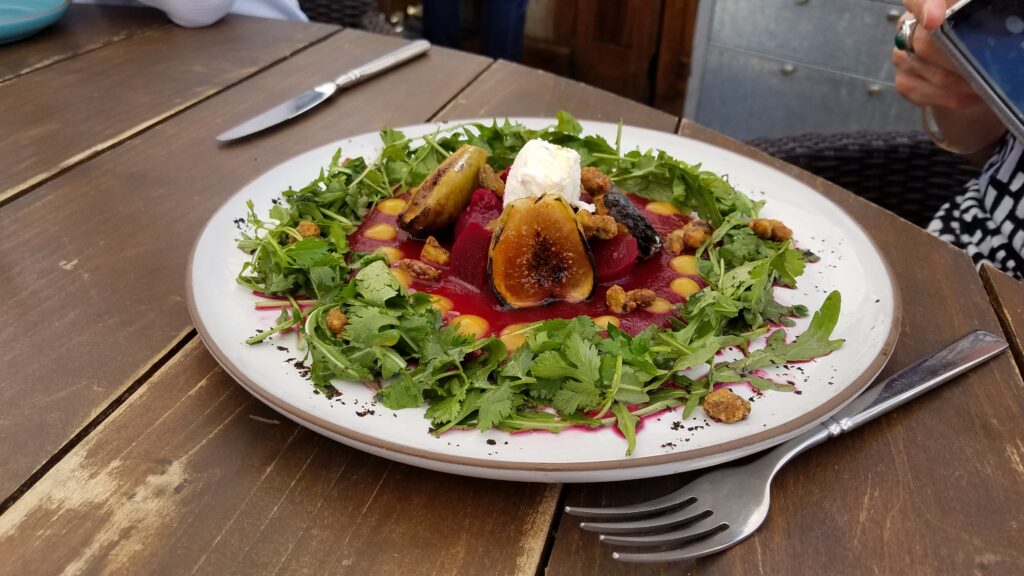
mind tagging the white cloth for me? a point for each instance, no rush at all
(198, 13)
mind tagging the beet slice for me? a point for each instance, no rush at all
(615, 257)
(483, 207)
(469, 255)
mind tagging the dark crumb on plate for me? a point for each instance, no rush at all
(678, 425)
(491, 441)
(282, 348)
(365, 412)
(669, 445)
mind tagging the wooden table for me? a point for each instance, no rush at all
(125, 448)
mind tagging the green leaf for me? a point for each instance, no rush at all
(584, 356)
(576, 395)
(495, 404)
(376, 284)
(626, 422)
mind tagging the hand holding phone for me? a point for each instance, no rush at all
(984, 39)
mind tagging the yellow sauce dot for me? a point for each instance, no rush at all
(663, 208)
(471, 325)
(383, 232)
(391, 253)
(511, 336)
(660, 306)
(443, 304)
(683, 265)
(402, 276)
(684, 287)
(391, 206)
(604, 321)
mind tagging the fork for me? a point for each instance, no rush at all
(727, 505)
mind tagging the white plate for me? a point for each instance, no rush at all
(224, 314)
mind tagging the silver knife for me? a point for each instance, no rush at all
(304, 102)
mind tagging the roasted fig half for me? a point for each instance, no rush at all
(444, 194)
(539, 255)
(615, 204)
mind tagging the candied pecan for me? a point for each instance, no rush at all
(723, 405)
(692, 235)
(488, 179)
(771, 229)
(336, 320)
(306, 229)
(618, 301)
(642, 297)
(603, 227)
(595, 182)
(417, 269)
(434, 253)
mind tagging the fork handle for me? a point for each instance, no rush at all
(966, 353)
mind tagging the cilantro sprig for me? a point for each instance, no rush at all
(569, 372)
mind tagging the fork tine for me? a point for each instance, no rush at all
(666, 502)
(690, 550)
(701, 529)
(682, 516)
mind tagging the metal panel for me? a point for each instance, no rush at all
(747, 95)
(847, 35)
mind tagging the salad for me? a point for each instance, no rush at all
(526, 279)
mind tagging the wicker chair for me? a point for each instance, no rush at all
(363, 14)
(903, 172)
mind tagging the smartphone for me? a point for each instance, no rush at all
(985, 39)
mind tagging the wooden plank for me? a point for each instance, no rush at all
(67, 112)
(935, 488)
(508, 89)
(110, 272)
(194, 475)
(84, 28)
(1007, 296)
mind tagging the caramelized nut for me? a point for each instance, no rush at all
(618, 301)
(336, 320)
(418, 270)
(382, 232)
(595, 182)
(642, 297)
(391, 206)
(433, 252)
(771, 229)
(471, 325)
(307, 229)
(695, 233)
(724, 405)
(600, 226)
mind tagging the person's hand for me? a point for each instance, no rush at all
(931, 81)
(928, 78)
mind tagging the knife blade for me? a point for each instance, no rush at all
(309, 100)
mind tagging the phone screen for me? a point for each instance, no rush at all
(991, 34)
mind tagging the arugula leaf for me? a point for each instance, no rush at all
(626, 422)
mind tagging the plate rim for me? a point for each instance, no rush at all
(765, 438)
(63, 4)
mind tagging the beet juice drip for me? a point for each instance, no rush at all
(464, 281)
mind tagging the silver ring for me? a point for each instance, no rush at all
(905, 36)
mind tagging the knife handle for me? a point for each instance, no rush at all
(964, 354)
(384, 63)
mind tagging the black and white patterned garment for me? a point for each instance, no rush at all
(987, 220)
